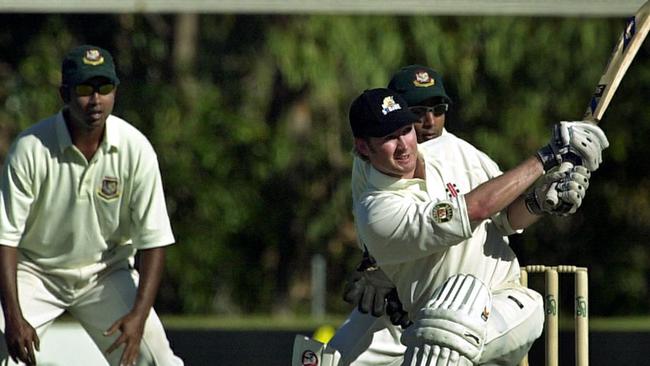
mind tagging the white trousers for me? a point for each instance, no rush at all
(96, 303)
(516, 321)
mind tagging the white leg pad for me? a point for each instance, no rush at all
(454, 322)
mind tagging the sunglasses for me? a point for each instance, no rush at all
(437, 110)
(85, 90)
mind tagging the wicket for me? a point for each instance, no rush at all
(551, 310)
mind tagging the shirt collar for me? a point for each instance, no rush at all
(111, 134)
(62, 134)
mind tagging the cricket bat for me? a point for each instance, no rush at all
(626, 48)
(621, 58)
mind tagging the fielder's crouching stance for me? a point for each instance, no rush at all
(440, 234)
(80, 193)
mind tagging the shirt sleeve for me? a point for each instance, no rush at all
(16, 197)
(359, 181)
(398, 229)
(151, 226)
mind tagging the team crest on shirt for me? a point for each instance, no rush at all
(442, 212)
(309, 358)
(110, 188)
(93, 57)
(423, 79)
(388, 105)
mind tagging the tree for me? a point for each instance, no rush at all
(248, 115)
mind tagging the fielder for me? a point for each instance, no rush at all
(80, 193)
(426, 220)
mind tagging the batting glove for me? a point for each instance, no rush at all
(559, 192)
(580, 143)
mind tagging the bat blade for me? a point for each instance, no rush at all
(621, 58)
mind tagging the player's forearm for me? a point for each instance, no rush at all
(8, 286)
(518, 215)
(151, 268)
(496, 194)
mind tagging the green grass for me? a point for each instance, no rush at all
(249, 322)
(304, 322)
(621, 324)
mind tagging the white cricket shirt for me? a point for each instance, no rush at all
(63, 212)
(418, 230)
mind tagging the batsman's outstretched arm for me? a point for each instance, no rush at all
(519, 216)
(498, 193)
(570, 141)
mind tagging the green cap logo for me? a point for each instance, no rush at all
(93, 57)
(85, 62)
(423, 80)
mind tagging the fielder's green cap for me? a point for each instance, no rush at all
(417, 83)
(86, 62)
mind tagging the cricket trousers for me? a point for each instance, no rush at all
(96, 302)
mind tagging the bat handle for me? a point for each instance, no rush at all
(552, 198)
(572, 158)
(551, 195)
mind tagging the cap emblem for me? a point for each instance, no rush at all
(423, 80)
(93, 57)
(389, 105)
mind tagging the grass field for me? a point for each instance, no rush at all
(262, 322)
(249, 322)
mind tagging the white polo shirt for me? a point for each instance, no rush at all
(419, 231)
(63, 212)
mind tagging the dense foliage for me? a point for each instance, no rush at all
(248, 115)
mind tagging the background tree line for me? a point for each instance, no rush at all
(248, 115)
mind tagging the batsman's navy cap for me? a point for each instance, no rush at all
(86, 62)
(378, 112)
(416, 83)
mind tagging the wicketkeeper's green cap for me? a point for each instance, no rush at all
(86, 62)
(416, 83)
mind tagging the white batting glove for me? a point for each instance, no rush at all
(570, 191)
(559, 192)
(578, 142)
(543, 197)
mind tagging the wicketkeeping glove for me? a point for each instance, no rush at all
(368, 287)
(395, 311)
(373, 292)
(580, 143)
